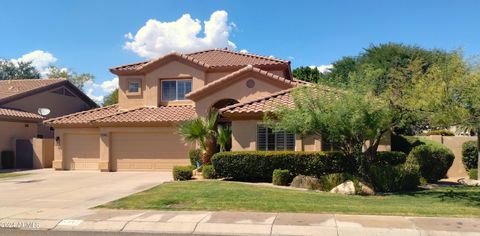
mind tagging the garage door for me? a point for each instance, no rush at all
(148, 151)
(82, 151)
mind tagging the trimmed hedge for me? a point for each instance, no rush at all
(208, 172)
(433, 161)
(281, 177)
(388, 178)
(183, 172)
(389, 158)
(470, 155)
(442, 132)
(195, 156)
(259, 165)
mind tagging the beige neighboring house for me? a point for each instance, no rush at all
(20, 101)
(140, 132)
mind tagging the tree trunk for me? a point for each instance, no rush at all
(209, 151)
(478, 153)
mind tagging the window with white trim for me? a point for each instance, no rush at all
(268, 140)
(174, 90)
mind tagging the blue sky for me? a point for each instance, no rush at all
(92, 35)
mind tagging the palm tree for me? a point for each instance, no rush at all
(224, 133)
(201, 130)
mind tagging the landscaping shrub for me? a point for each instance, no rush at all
(433, 161)
(388, 178)
(208, 172)
(470, 155)
(473, 173)
(389, 158)
(281, 177)
(442, 132)
(195, 155)
(183, 172)
(259, 165)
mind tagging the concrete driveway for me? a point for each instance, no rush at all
(46, 192)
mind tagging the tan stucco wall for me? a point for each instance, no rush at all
(212, 76)
(42, 153)
(238, 91)
(58, 104)
(150, 95)
(10, 131)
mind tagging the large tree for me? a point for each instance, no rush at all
(307, 73)
(111, 98)
(20, 70)
(78, 80)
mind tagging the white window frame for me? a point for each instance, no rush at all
(275, 140)
(176, 89)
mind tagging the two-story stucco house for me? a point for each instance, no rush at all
(140, 132)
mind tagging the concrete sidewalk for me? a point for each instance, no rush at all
(238, 223)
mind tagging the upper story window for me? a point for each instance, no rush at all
(174, 90)
(267, 140)
(134, 87)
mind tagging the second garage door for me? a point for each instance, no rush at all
(82, 151)
(148, 151)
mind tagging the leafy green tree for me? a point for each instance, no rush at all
(111, 99)
(20, 70)
(201, 130)
(78, 80)
(306, 73)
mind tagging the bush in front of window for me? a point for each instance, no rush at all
(182, 172)
(258, 166)
(281, 177)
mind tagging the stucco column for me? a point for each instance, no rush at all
(57, 162)
(298, 143)
(104, 163)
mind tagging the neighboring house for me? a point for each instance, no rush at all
(20, 101)
(140, 132)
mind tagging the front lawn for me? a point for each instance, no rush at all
(11, 174)
(231, 196)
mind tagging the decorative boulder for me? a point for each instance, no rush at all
(307, 182)
(365, 189)
(347, 188)
(469, 182)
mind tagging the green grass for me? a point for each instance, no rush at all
(11, 174)
(231, 196)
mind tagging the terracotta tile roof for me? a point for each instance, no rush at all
(83, 117)
(268, 103)
(230, 78)
(10, 88)
(151, 115)
(111, 115)
(7, 113)
(228, 58)
(209, 59)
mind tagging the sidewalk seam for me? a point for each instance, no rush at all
(196, 225)
(273, 223)
(336, 225)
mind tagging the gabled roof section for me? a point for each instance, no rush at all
(233, 77)
(11, 90)
(113, 116)
(211, 60)
(258, 106)
(13, 114)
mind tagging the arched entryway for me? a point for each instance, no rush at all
(223, 121)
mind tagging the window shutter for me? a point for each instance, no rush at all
(290, 142)
(261, 138)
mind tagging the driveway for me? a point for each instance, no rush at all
(46, 192)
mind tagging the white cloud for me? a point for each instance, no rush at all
(323, 68)
(244, 51)
(41, 60)
(157, 38)
(98, 91)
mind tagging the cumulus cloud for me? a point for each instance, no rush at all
(41, 60)
(157, 38)
(244, 51)
(97, 91)
(323, 68)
